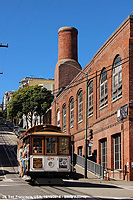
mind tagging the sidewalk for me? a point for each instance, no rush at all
(94, 179)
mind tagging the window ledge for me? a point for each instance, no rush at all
(71, 127)
(117, 99)
(89, 116)
(116, 171)
(103, 107)
(80, 121)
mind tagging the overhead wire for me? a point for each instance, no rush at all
(90, 75)
(83, 81)
(61, 112)
(32, 20)
(29, 12)
(12, 15)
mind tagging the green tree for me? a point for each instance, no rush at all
(29, 100)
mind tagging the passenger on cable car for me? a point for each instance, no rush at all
(20, 161)
(25, 159)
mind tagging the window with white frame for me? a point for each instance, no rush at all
(64, 118)
(104, 153)
(71, 112)
(117, 78)
(58, 117)
(103, 88)
(80, 106)
(117, 151)
(90, 98)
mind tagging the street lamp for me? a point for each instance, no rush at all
(86, 75)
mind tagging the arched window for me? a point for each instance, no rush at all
(80, 106)
(90, 98)
(64, 118)
(117, 78)
(103, 88)
(58, 117)
(71, 112)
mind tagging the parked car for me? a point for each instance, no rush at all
(18, 130)
(9, 124)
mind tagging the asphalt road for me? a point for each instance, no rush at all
(13, 187)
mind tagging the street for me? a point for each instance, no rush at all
(14, 187)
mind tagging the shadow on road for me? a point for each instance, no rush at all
(10, 160)
(87, 184)
(4, 172)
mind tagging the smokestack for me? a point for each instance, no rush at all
(67, 45)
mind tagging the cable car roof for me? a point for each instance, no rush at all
(47, 133)
(44, 129)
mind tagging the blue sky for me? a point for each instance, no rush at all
(30, 27)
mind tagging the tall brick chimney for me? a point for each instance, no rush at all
(67, 54)
(67, 46)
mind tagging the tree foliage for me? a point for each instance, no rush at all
(29, 99)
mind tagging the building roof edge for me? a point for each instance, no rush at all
(129, 17)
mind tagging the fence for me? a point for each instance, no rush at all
(91, 166)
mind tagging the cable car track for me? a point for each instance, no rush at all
(8, 146)
(65, 192)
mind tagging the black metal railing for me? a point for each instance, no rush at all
(91, 166)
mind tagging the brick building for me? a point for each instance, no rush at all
(109, 99)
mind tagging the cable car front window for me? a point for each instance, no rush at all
(63, 145)
(37, 145)
(51, 145)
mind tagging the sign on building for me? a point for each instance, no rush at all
(122, 113)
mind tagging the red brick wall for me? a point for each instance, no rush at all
(104, 121)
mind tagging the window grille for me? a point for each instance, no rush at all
(117, 78)
(117, 151)
(104, 153)
(80, 106)
(90, 98)
(58, 117)
(103, 89)
(64, 117)
(71, 113)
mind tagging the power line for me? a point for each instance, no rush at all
(35, 18)
(90, 79)
(10, 18)
(90, 75)
(61, 112)
(29, 12)
(84, 82)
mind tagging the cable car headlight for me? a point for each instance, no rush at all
(63, 162)
(51, 164)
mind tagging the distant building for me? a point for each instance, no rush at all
(31, 81)
(6, 98)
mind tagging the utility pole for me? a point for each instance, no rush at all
(3, 45)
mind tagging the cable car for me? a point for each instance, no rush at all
(49, 152)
